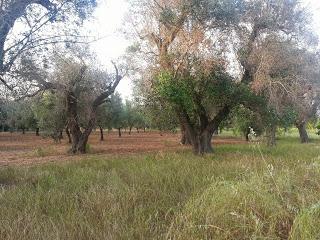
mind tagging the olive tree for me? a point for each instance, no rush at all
(29, 26)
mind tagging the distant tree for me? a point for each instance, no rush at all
(104, 118)
(130, 115)
(118, 113)
(50, 112)
(3, 116)
(161, 116)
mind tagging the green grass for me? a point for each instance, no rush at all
(239, 192)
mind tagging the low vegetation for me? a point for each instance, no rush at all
(241, 192)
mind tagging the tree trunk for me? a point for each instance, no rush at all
(23, 131)
(119, 132)
(202, 143)
(137, 130)
(185, 138)
(130, 128)
(201, 138)
(271, 136)
(37, 132)
(61, 134)
(304, 138)
(247, 133)
(79, 138)
(79, 144)
(101, 134)
(68, 134)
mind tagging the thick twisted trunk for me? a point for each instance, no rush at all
(271, 136)
(304, 138)
(79, 138)
(185, 138)
(202, 142)
(201, 138)
(69, 135)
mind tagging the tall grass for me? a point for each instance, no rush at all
(239, 192)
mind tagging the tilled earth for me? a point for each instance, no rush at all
(23, 149)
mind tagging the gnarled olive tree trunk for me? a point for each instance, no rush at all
(79, 137)
(201, 136)
(185, 138)
(271, 136)
(304, 138)
(69, 135)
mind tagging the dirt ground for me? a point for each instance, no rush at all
(22, 149)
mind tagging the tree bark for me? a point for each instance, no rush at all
(247, 132)
(304, 138)
(130, 128)
(101, 134)
(201, 138)
(37, 132)
(185, 138)
(271, 136)
(79, 138)
(68, 134)
(23, 131)
(119, 132)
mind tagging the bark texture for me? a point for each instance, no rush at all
(271, 136)
(304, 137)
(201, 136)
(69, 135)
(101, 134)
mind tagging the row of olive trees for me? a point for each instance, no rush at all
(201, 61)
(207, 58)
(47, 116)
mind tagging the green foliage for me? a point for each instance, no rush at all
(318, 128)
(288, 117)
(243, 118)
(175, 90)
(51, 114)
(161, 116)
(104, 116)
(117, 111)
(18, 115)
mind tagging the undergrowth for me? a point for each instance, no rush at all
(239, 192)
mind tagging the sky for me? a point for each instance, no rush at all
(108, 21)
(106, 25)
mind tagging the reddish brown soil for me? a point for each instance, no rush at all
(19, 149)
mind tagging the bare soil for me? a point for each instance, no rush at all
(24, 149)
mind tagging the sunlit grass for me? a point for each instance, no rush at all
(239, 192)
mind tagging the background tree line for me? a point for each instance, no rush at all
(196, 64)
